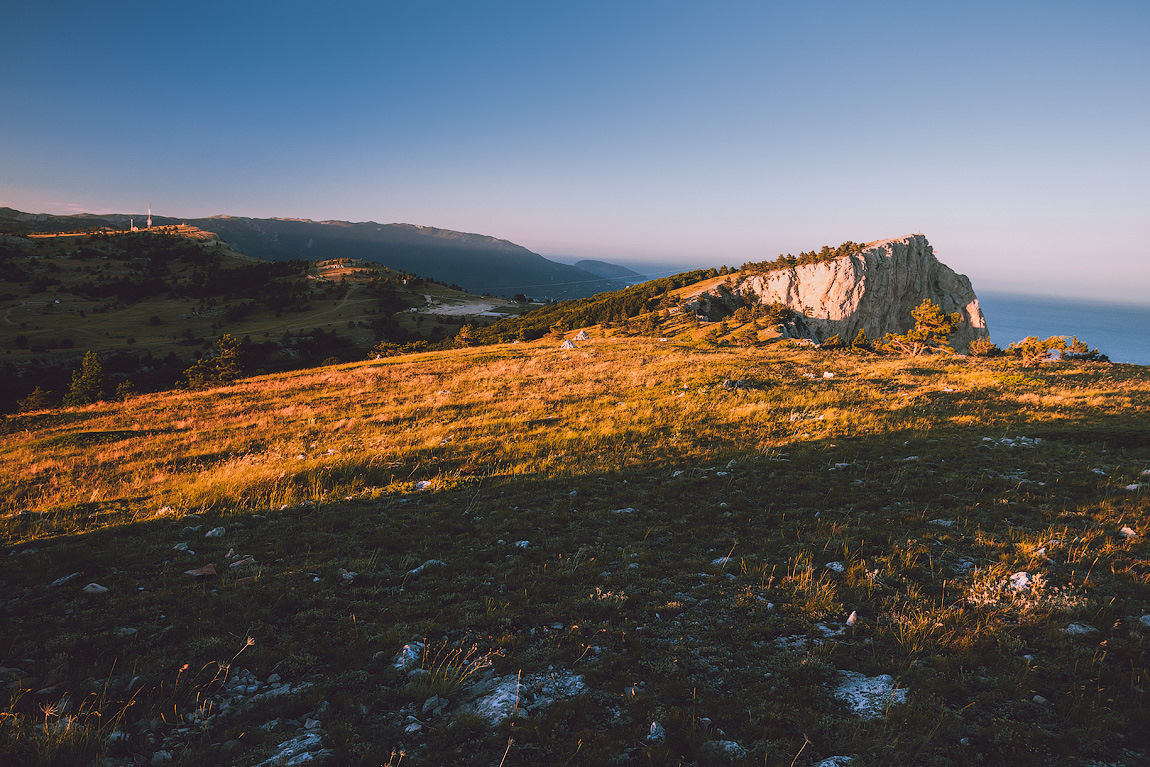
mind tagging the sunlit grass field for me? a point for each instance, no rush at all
(654, 518)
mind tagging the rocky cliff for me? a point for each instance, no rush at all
(874, 290)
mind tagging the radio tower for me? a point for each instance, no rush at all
(149, 214)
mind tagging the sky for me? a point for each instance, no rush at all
(1014, 135)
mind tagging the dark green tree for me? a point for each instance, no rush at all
(223, 365)
(89, 384)
(931, 330)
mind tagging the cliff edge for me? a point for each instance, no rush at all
(873, 290)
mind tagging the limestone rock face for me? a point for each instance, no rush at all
(874, 291)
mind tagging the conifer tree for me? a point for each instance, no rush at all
(223, 365)
(931, 330)
(89, 384)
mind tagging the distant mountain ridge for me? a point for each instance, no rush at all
(478, 263)
(609, 271)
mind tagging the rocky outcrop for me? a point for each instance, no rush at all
(874, 290)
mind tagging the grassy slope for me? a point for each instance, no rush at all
(316, 471)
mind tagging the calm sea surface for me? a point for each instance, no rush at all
(1120, 331)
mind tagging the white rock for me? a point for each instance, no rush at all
(627, 510)
(423, 484)
(828, 374)
(837, 567)
(408, 658)
(216, 532)
(853, 619)
(1134, 488)
(1128, 532)
(724, 748)
(1021, 581)
(429, 563)
(63, 579)
(868, 697)
(657, 733)
(301, 750)
(94, 588)
(498, 704)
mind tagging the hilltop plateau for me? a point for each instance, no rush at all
(478, 263)
(632, 551)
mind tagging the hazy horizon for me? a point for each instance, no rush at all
(1013, 137)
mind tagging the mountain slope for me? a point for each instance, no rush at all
(477, 263)
(587, 557)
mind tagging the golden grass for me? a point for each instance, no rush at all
(515, 409)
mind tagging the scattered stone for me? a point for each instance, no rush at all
(853, 619)
(1078, 629)
(64, 579)
(165, 511)
(828, 374)
(161, 757)
(721, 561)
(868, 697)
(582, 336)
(724, 749)
(299, 750)
(200, 573)
(837, 567)
(248, 560)
(182, 546)
(126, 632)
(1145, 621)
(627, 510)
(413, 725)
(408, 657)
(942, 522)
(95, 588)
(657, 733)
(1021, 581)
(426, 565)
(434, 705)
(216, 532)
(1135, 487)
(521, 544)
(911, 458)
(1128, 532)
(841, 466)
(347, 575)
(423, 484)
(836, 761)
(248, 581)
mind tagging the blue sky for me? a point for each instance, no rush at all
(1014, 135)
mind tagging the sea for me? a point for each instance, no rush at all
(1120, 331)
